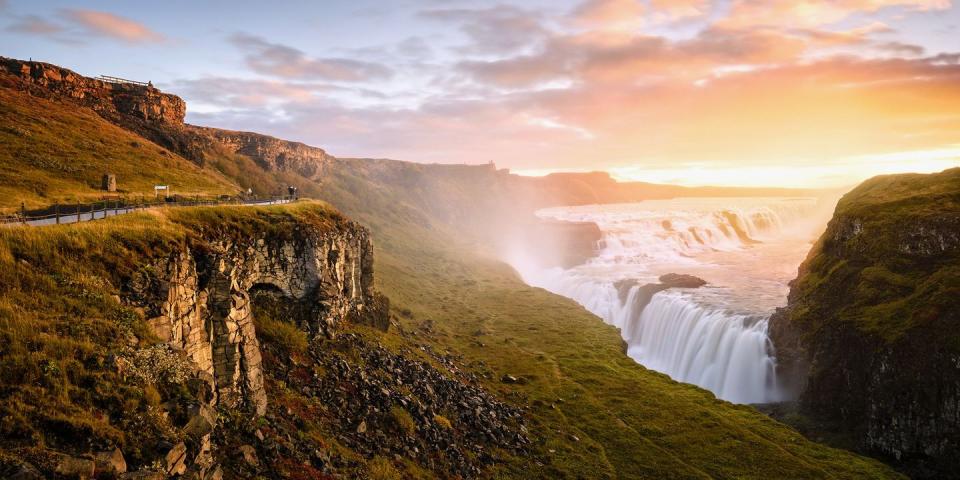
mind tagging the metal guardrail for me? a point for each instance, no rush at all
(84, 212)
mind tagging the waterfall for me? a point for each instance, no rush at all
(725, 353)
(715, 336)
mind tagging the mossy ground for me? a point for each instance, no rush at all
(872, 279)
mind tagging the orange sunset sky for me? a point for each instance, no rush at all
(722, 92)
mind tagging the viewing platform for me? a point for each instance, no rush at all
(123, 81)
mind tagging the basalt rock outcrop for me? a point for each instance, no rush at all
(869, 340)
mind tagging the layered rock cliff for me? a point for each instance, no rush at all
(199, 300)
(869, 340)
(272, 154)
(107, 98)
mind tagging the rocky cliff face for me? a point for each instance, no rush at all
(272, 154)
(199, 301)
(108, 99)
(869, 338)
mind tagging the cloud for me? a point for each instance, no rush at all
(831, 38)
(677, 9)
(414, 48)
(805, 112)
(799, 113)
(609, 13)
(584, 57)
(813, 13)
(802, 113)
(112, 26)
(244, 93)
(635, 15)
(282, 61)
(35, 25)
(499, 29)
(900, 48)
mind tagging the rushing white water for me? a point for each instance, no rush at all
(714, 336)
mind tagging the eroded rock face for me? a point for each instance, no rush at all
(198, 301)
(144, 102)
(273, 154)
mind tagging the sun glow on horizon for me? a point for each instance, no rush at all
(840, 173)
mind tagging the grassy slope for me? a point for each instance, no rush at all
(54, 151)
(629, 422)
(867, 280)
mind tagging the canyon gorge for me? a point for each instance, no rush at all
(236, 342)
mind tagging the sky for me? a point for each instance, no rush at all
(803, 93)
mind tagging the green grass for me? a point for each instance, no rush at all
(402, 420)
(382, 469)
(57, 152)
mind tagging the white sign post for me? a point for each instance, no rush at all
(157, 188)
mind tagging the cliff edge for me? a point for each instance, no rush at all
(869, 339)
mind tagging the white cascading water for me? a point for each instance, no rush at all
(714, 336)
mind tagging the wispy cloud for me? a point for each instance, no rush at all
(499, 29)
(283, 61)
(35, 25)
(112, 26)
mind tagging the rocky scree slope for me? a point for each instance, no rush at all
(869, 339)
